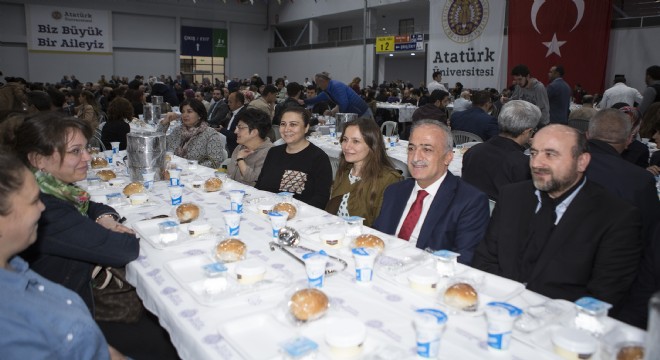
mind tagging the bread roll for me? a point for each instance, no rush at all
(288, 207)
(187, 212)
(212, 184)
(308, 304)
(230, 250)
(106, 175)
(133, 188)
(631, 352)
(369, 241)
(462, 296)
(99, 162)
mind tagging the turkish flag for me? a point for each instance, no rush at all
(572, 33)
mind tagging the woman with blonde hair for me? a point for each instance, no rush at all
(363, 173)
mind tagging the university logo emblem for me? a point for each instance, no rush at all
(465, 20)
(56, 15)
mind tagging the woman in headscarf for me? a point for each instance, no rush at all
(194, 139)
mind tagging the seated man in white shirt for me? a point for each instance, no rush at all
(435, 209)
(463, 102)
(436, 84)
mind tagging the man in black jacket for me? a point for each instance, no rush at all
(501, 160)
(293, 91)
(561, 234)
(609, 134)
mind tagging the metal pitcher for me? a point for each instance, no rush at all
(146, 153)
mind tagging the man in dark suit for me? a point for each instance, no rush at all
(476, 119)
(559, 96)
(435, 209)
(501, 160)
(218, 110)
(560, 234)
(609, 133)
(635, 309)
(236, 104)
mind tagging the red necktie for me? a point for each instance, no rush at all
(413, 216)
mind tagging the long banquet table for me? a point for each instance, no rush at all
(251, 324)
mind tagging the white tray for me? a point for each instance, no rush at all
(258, 337)
(614, 331)
(190, 274)
(488, 286)
(149, 231)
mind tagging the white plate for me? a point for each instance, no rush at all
(499, 288)
(258, 337)
(149, 231)
(190, 274)
(537, 316)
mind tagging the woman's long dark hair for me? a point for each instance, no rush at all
(376, 161)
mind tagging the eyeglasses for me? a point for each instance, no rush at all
(79, 151)
(241, 128)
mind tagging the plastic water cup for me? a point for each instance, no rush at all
(109, 154)
(115, 147)
(192, 165)
(176, 194)
(315, 264)
(232, 222)
(277, 221)
(236, 197)
(429, 325)
(501, 317)
(364, 264)
(148, 180)
(353, 226)
(175, 177)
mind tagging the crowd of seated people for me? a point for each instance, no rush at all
(546, 207)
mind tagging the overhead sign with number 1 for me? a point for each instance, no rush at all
(384, 44)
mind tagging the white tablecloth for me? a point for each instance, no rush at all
(405, 110)
(217, 330)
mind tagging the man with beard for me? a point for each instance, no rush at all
(560, 234)
(531, 90)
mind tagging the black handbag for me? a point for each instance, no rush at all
(114, 298)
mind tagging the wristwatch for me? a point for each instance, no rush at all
(114, 216)
(240, 159)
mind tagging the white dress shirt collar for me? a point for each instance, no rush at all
(426, 205)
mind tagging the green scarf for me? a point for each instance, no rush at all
(67, 192)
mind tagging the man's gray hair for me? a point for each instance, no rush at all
(449, 138)
(517, 116)
(323, 75)
(611, 126)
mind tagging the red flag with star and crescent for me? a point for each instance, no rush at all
(572, 33)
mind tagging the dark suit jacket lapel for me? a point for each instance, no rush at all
(565, 230)
(400, 199)
(438, 209)
(233, 124)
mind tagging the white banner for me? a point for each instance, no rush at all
(70, 30)
(466, 42)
